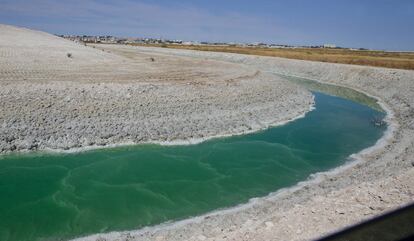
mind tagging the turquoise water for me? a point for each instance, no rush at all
(50, 196)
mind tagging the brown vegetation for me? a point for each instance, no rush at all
(398, 60)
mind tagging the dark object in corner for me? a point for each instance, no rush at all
(69, 55)
(152, 59)
(397, 225)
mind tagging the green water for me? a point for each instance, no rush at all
(335, 90)
(51, 196)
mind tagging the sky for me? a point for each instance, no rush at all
(374, 24)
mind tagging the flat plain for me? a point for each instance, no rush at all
(398, 60)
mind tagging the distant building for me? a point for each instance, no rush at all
(83, 39)
(329, 46)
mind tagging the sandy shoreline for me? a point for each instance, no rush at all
(117, 96)
(175, 142)
(379, 179)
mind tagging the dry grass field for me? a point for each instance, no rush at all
(398, 60)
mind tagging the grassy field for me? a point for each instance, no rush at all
(398, 60)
